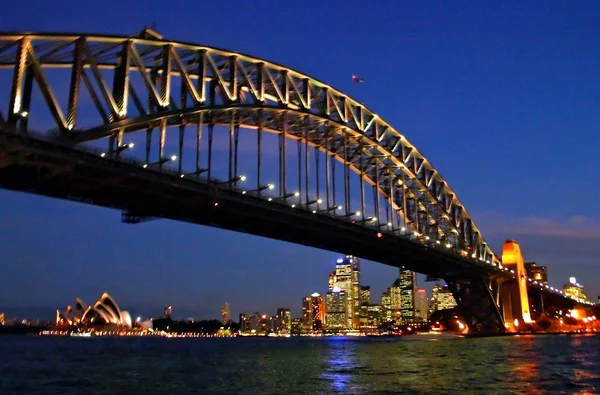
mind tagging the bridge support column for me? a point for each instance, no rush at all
(515, 301)
(476, 302)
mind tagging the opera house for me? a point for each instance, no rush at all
(105, 312)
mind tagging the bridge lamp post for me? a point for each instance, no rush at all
(234, 180)
(260, 189)
(194, 173)
(317, 201)
(357, 214)
(332, 209)
(289, 195)
(161, 161)
(118, 150)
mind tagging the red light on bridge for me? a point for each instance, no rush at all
(379, 234)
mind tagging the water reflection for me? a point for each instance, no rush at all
(532, 365)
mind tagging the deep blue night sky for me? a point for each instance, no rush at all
(503, 99)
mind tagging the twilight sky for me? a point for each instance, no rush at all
(503, 99)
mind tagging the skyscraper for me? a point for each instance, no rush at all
(365, 295)
(168, 312)
(574, 289)
(284, 321)
(347, 278)
(407, 281)
(225, 314)
(441, 298)
(336, 309)
(421, 305)
(318, 314)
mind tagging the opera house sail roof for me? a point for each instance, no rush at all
(104, 312)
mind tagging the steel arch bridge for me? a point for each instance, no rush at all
(117, 87)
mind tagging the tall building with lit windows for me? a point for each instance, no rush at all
(365, 295)
(441, 298)
(538, 273)
(421, 305)
(313, 312)
(346, 277)
(575, 290)
(284, 321)
(225, 313)
(407, 282)
(336, 316)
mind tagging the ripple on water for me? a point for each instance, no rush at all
(547, 364)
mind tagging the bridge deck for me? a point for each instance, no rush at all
(46, 168)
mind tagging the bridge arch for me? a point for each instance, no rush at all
(184, 84)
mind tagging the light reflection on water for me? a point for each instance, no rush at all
(526, 364)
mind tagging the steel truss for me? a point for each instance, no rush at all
(475, 300)
(139, 84)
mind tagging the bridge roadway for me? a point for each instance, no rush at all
(48, 168)
(44, 167)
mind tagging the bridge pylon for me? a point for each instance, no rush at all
(515, 301)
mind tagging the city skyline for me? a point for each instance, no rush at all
(507, 101)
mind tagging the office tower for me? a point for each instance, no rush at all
(225, 314)
(347, 278)
(407, 295)
(421, 305)
(365, 295)
(386, 306)
(168, 312)
(395, 297)
(318, 311)
(307, 311)
(336, 309)
(441, 298)
(538, 273)
(574, 289)
(284, 321)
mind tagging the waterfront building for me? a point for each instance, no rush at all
(538, 273)
(337, 309)
(421, 305)
(284, 321)
(347, 278)
(318, 311)
(373, 316)
(441, 298)
(168, 312)
(1, 318)
(254, 323)
(225, 313)
(574, 289)
(105, 312)
(296, 326)
(407, 285)
(386, 306)
(365, 295)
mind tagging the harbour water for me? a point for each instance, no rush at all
(411, 365)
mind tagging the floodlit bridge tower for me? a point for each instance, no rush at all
(515, 302)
